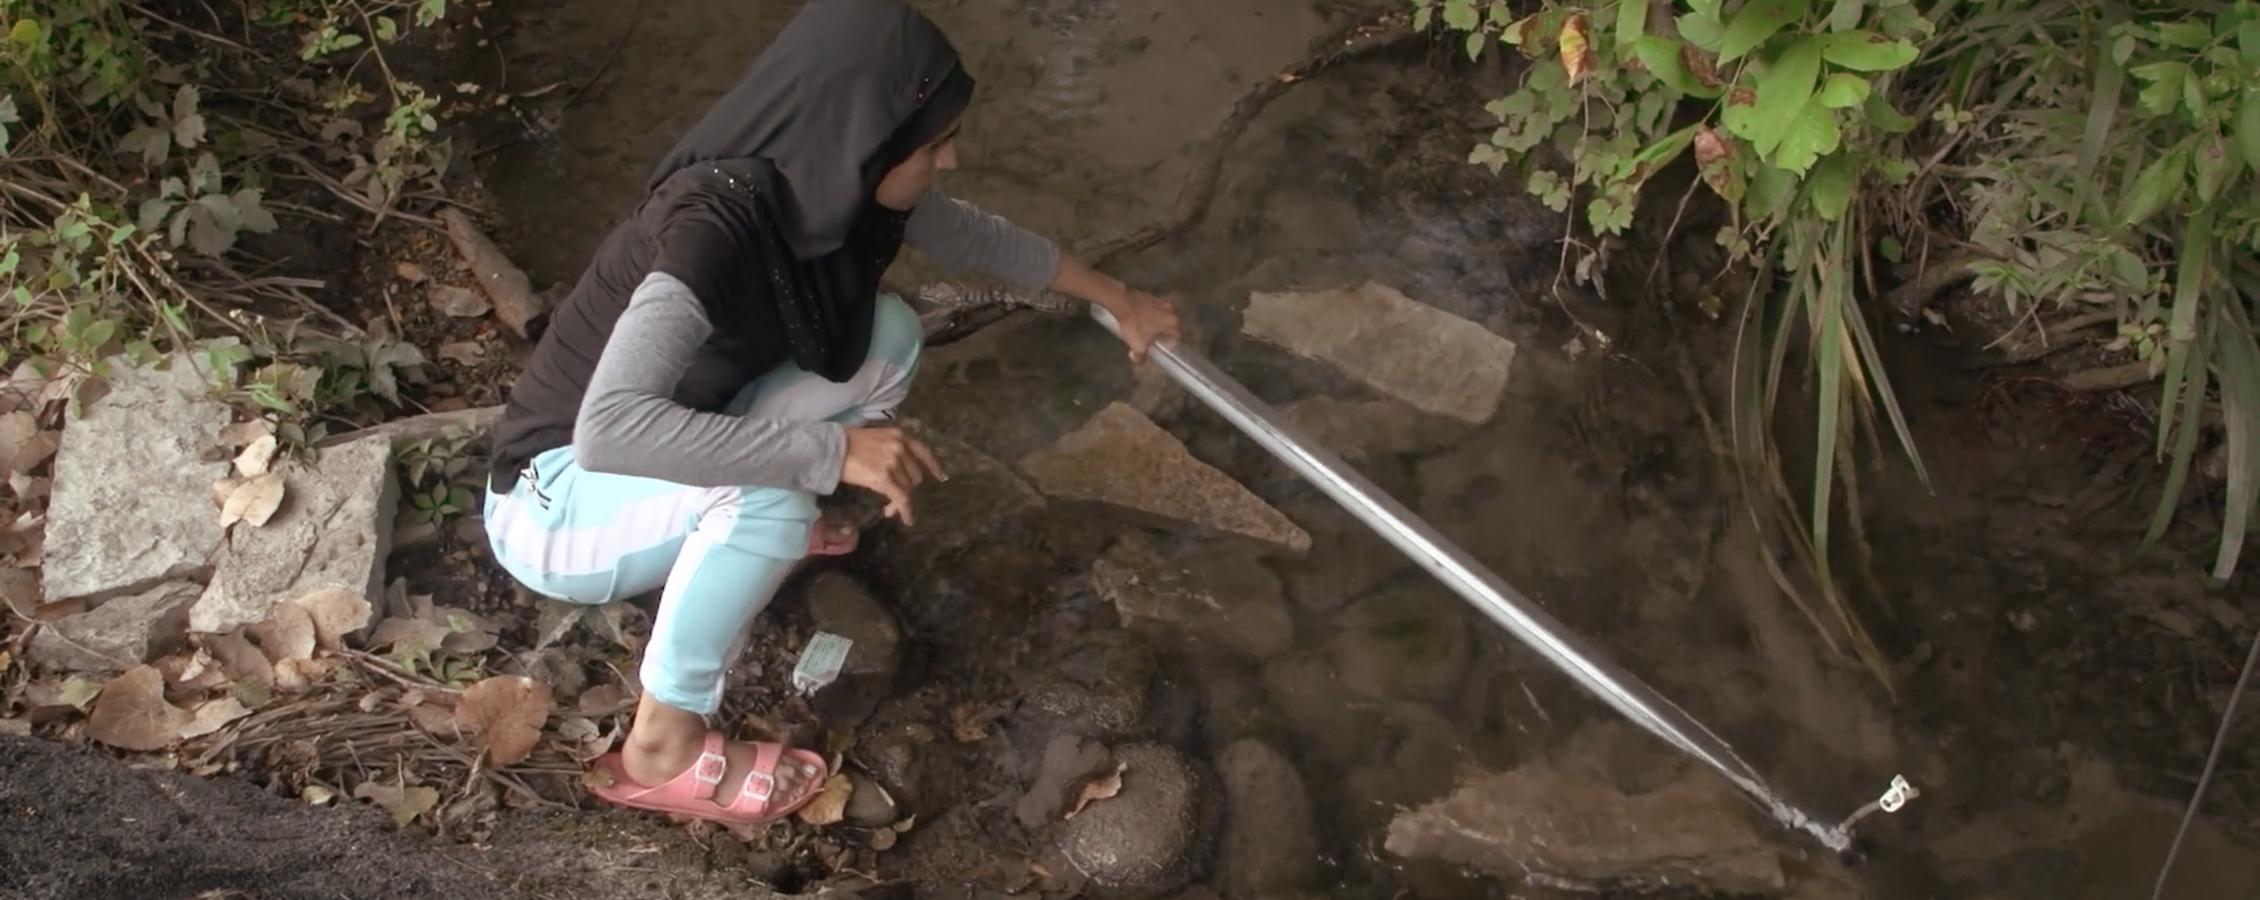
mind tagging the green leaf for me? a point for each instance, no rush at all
(387, 29)
(2248, 127)
(2123, 49)
(1757, 21)
(1845, 15)
(1702, 29)
(1832, 184)
(1784, 90)
(1867, 51)
(2162, 89)
(1882, 115)
(2159, 184)
(1661, 57)
(2248, 43)
(1844, 90)
(1461, 15)
(1475, 41)
(1657, 155)
(2186, 35)
(1423, 16)
(1632, 21)
(2193, 98)
(1893, 252)
(429, 11)
(2209, 167)
(1812, 135)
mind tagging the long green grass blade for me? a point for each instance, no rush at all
(1828, 329)
(2191, 277)
(2239, 362)
(2102, 111)
(2185, 444)
(1890, 401)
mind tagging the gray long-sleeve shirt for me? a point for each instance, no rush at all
(630, 424)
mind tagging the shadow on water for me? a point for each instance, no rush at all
(1592, 488)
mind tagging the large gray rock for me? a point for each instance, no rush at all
(1270, 841)
(1693, 835)
(332, 531)
(1407, 642)
(1122, 458)
(1147, 840)
(1401, 347)
(843, 606)
(120, 634)
(1214, 595)
(132, 506)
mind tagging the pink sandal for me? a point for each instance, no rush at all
(692, 793)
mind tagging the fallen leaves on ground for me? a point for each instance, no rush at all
(245, 433)
(286, 634)
(507, 712)
(20, 589)
(606, 699)
(256, 456)
(830, 805)
(212, 715)
(411, 272)
(253, 501)
(132, 713)
(335, 613)
(404, 803)
(459, 302)
(1104, 787)
(969, 723)
(463, 353)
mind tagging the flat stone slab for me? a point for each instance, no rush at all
(120, 634)
(333, 530)
(1570, 830)
(1212, 595)
(132, 506)
(1122, 458)
(1394, 344)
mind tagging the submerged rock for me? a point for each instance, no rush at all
(1364, 429)
(1122, 458)
(1216, 596)
(1147, 840)
(1270, 841)
(981, 495)
(1554, 827)
(333, 530)
(1069, 761)
(1403, 642)
(1401, 347)
(132, 504)
(120, 634)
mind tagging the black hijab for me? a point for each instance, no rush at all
(776, 181)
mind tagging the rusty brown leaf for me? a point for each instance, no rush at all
(286, 634)
(212, 715)
(1103, 787)
(132, 713)
(335, 613)
(1577, 52)
(1700, 64)
(830, 805)
(404, 803)
(507, 712)
(606, 699)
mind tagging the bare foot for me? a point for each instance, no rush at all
(665, 741)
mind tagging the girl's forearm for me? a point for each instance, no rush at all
(1077, 279)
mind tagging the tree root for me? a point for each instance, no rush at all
(1908, 300)
(1369, 37)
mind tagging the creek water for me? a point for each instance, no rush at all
(1593, 488)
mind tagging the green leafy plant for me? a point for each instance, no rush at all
(437, 476)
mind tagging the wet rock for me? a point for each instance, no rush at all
(1147, 840)
(892, 754)
(870, 806)
(120, 634)
(843, 606)
(1102, 688)
(1407, 642)
(132, 503)
(1215, 596)
(1069, 761)
(1306, 690)
(1573, 830)
(1416, 353)
(1346, 561)
(1270, 841)
(1364, 429)
(1122, 458)
(981, 495)
(333, 530)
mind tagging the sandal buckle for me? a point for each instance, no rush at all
(766, 782)
(709, 769)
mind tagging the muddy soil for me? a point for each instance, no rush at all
(2055, 691)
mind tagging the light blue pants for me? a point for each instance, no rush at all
(717, 554)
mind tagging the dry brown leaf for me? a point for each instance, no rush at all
(287, 633)
(969, 723)
(255, 501)
(25, 539)
(1103, 787)
(463, 353)
(884, 839)
(404, 803)
(132, 713)
(459, 302)
(317, 795)
(411, 272)
(507, 711)
(244, 434)
(413, 634)
(238, 658)
(336, 612)
(27, 487)
(830, 805)
(1577, 53)
(1714, 159)
(467, 632)
(19, 588)
(904, 826)
(606, 699)
(16, 428)
(15, 727)
(295, 675)
(256, 457)
(212, 715)
(223, 489)
(432, 719)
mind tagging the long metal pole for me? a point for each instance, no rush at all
(1471, 580)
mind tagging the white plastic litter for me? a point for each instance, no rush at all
(820, 662)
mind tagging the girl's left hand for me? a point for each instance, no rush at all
(1145, 320)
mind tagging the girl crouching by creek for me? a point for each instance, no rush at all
(727, 357)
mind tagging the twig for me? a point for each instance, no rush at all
(419, 427)
(2212, 761)
(635, 18)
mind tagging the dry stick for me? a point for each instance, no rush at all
(2205, 778)
(428, 425)
(1371, 36)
